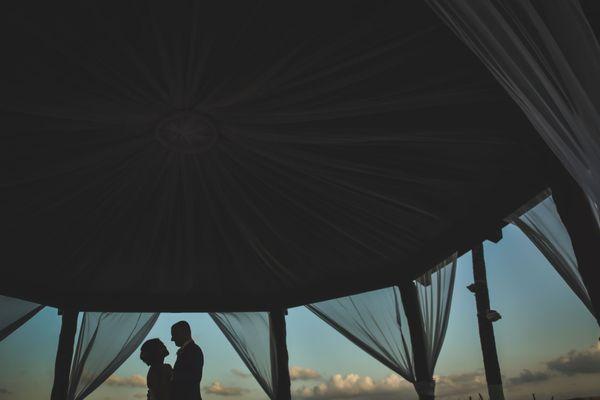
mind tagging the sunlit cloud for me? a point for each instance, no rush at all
(459, 384)
(354, 385)
(218, 389)
(303, 374)
(240, 374)
(137, 381)
(577, 362)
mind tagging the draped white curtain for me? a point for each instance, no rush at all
(377, 323)
(546, 56)
(105, 341)
(249, 334)
(14, 313)
(543, 226)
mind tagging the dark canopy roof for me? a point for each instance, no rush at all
(244, 155)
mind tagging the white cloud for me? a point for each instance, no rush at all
(218, 389)
(303, 374)
(240, 374)
(459, 384)
(559, 386)
(577, 362)
(128, 381)
(354, 385)
(527, 376)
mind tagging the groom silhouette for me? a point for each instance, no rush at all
(187, 371)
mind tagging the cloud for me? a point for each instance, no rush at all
(577, 362)
(354, 385)
(527, 376)
(460, 384)
(240, 374)
(136, 380)
(217, 388)
(303, 374)
(392, 387)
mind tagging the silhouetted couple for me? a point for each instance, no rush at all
(182, 382)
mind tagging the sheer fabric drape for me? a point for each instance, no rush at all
(543, 226)
(435, 290)
(105, 341)
(14, 313)
(546, 56)
(377, 323)
(249, 334)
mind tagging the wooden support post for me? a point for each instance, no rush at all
(425, 385)
(64, 355)
(578, 217)
(279, 355)
(486, 330)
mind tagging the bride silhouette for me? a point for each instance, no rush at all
(153, 353)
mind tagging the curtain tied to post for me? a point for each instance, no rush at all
(249, 334)
(542, 224)
(377, 323)
(105, 341)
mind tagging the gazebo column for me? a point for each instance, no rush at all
(64, 355)
(578, 217)
(279, 355)
(486, 330)
(424, 385)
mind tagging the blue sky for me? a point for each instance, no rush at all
(542, 321)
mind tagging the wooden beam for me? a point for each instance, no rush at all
(579, 218)
(486, 330)
(279, 355)
(64, 355)
(495, 236)
(425, 385)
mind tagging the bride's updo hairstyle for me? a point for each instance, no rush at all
(153, 351)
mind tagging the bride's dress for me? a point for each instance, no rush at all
(159, 382)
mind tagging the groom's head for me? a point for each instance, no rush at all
(181, 333)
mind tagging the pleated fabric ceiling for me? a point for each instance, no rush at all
(231, 156)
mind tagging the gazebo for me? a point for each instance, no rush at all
(242, 158)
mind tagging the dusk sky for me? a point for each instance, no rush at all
(547, 344)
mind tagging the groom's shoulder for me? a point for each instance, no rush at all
(196, 347)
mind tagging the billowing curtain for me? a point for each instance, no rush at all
(543, 226)
(249, 334)
(14, 313)
(546, 56)
(377, 323)
(105, 341)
